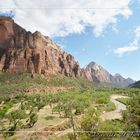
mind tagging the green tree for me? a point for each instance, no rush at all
(58, 108)
(32, 117)
(15, 120)
(89, 123)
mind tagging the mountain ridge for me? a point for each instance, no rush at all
(96, 72)
(135, 85)
(23, 51)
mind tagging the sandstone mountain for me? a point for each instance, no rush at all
(95, 72)
(23, 51)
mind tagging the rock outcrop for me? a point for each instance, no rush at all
(22, 51)
(95, 72)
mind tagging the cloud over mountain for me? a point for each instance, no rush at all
(64, 17)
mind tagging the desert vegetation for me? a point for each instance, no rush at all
(69, 112)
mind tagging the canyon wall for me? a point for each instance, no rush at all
(23, 51)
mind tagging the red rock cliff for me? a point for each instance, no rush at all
(22, 51)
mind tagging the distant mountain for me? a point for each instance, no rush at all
(95, 72)
(131, 81)
(22, 51)
(135, 85)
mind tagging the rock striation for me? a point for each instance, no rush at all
(23, 51)
(95, 72)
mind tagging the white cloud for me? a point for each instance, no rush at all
(134, 46)
(57, 20)
(127, 49)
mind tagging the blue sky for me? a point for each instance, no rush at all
(86, 47)
(104, 31)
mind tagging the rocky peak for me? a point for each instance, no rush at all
(95, 72)
(117, 75)
(22, 51)
(92, 63)
(94, 66)
(130, 79)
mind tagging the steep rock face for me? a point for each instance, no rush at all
(95, 72)
(22, 51)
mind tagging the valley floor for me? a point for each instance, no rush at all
(115, 114)
(72, 114)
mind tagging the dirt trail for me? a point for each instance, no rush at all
(62, 133)
(116, 114)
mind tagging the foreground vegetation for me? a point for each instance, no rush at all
(50, 107)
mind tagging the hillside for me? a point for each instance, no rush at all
(12, 84)
(95, 72)
(135, 85)
(23, 51)
(30, 105)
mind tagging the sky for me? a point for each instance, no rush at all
(104, 31)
